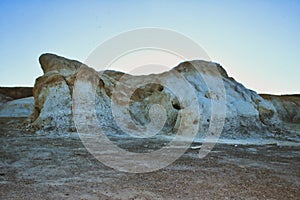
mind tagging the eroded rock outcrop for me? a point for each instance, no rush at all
(247, 113)
(17, 108)
(287, 106)
(4, 99)
(52, 92)
(16, 92)
(16, 101)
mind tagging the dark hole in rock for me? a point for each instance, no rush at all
(160, 88)
(176, 105)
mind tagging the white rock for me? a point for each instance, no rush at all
(17, 108)
(123, 104)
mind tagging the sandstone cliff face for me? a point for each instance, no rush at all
(16, 92)
(247, 113)
(287, 106)
(52, 92)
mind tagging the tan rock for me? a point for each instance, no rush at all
(287, 106)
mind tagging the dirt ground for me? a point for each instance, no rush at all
(59, 167)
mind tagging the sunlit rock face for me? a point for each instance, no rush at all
(53, 92)
(125, 103)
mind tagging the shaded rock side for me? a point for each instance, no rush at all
(4, 99)
(16, 101)
(16, 92)
(287, 106)
(247, 113)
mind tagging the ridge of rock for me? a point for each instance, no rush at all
(248, 114)
(16, 92)
(287, 106)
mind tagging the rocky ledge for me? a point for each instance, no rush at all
(16, 101)
(248, 114)
(11, 93)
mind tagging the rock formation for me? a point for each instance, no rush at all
(16, 92)
(287, 106)
(247, 113)
(4, 99)
(17, 108)
(16, 101)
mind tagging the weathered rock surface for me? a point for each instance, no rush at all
(16, 92)
(17, 108)
(247, 113)
(4, 99)
(52, 92)
(287, 106)
(16, 101)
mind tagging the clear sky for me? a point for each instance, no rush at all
(256, 41)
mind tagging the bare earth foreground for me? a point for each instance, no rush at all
(59, 167)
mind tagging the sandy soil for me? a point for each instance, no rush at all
(59, 167)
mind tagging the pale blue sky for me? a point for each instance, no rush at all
(257, 42)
